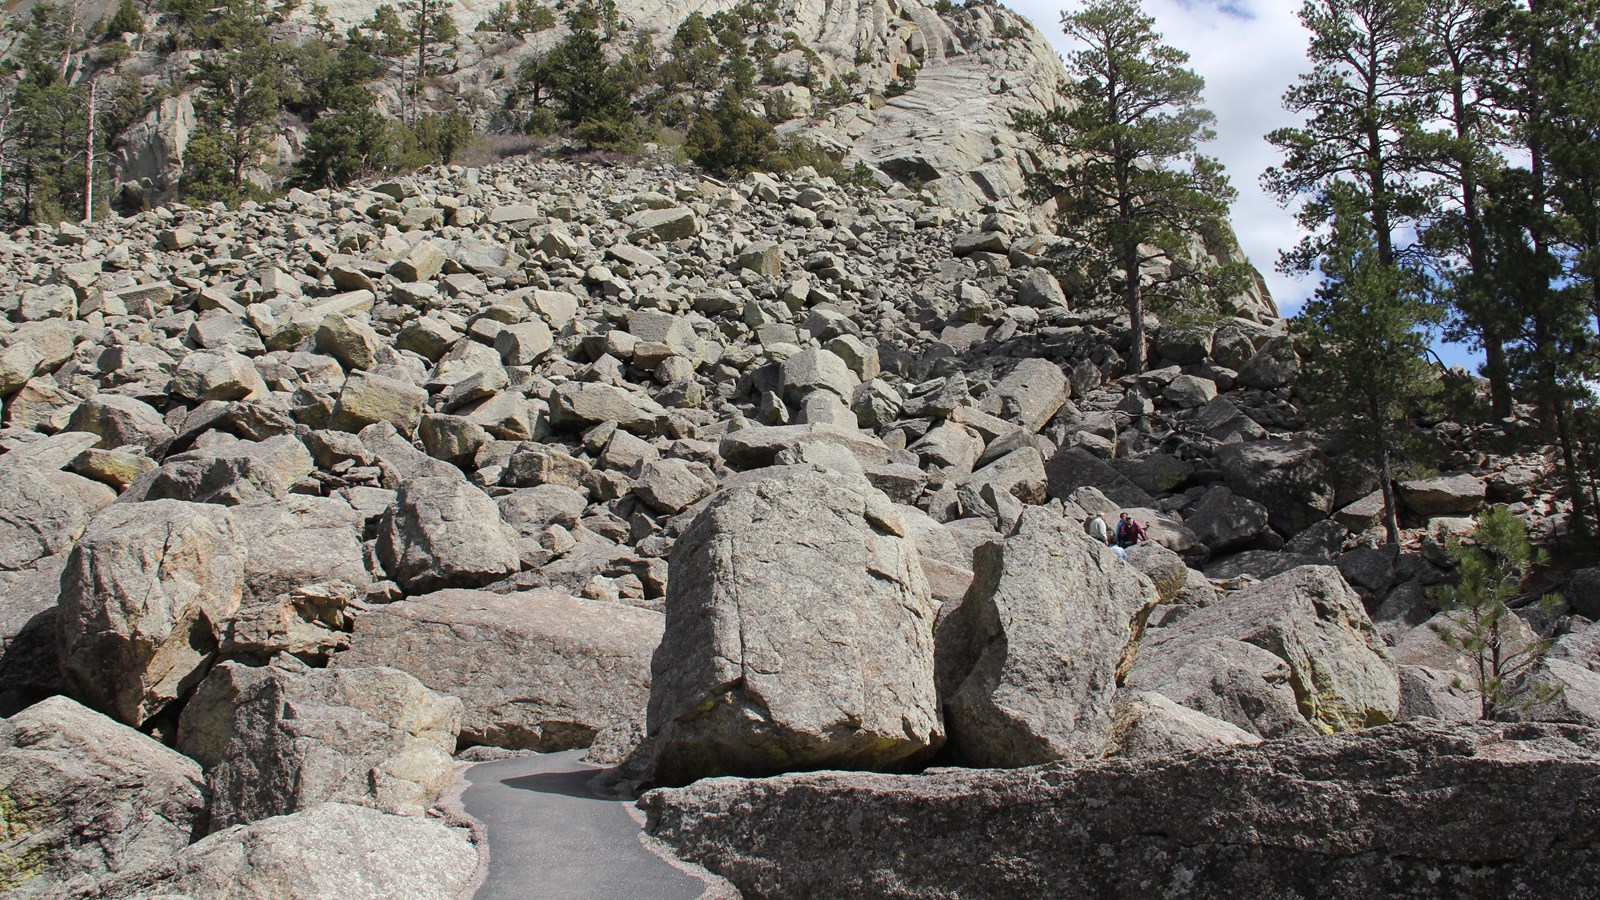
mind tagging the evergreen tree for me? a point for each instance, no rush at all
(1465, 49)
(1128, 123)
(242, 86)
(126, 20)
(1362, 103)
(588, 92)
(726, 137)
(1364, 335)
(1490, 572)
(1555, 355)
(344, 146)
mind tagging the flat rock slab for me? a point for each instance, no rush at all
(550, 836)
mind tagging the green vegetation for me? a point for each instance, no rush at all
(1490, 572)
(1133, 188)
(1447, 171)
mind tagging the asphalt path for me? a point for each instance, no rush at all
(550, 836)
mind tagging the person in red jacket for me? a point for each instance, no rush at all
(1130, 532)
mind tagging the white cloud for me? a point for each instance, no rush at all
(1249, 52)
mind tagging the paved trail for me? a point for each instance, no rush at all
(550, 837)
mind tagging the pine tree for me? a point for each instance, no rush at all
(726, 137)
(1490, 572)
(242, 87)
(126, 20)
(1365, 333)
(1128, 123)
(1461, 143)
(589, 94)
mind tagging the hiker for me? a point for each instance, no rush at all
(1130, 532)
(1096, 527)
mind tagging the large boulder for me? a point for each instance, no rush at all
(281, 738)
(1447, 495)
(332, 850)
(145, 598)
(1072, 468)
(1150, 724)
(1292, 655)
(1288, 477)
(246, 472)
(37, 519)
(1406, 810)
(536, 670)
(1030, 395)
(1053, 615)
(442, 532)
(83, 797)
(799, 634)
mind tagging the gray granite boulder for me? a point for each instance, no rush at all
(799, 634)
(1365, 814)
(536, 670)
(282, 738)
(1054, 617)
(83, 798)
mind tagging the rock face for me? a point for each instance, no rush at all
(332, 850)
(1053, 616)
(36, 520)
(83, 798)
(536, 670)
(143, 601)
(799, 634)
(442, 532)
(278, 739)
(1292, 655)
(1377, 813)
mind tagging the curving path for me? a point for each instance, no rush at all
(549, 836)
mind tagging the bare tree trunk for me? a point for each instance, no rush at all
(88, 157)
(1135, 298)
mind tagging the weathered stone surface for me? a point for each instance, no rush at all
(584, 404)
(812, 370)
(217, 376)
(799, 634)
(122, 420)
(332, 850)
(83, 797)
(367, 399)
(536, 670)
(441, 532)
(1226, 522)
(1287, 477)
(664, 224)
(1030, 395)
(1447, 495)
(282, 738)
(1053, 616)
(36, 518)
(1273, 366)
(753, 448)
(1287, 656)
(1039, 289)
(1150, 724)
(144, 600)
(1071, 468)
(1365, 814)
(235, 474)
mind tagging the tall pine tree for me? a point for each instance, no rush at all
(1133, 188)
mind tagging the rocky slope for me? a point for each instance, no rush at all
(712, 478)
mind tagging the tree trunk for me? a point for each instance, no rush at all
(1498, 370)
(1135, 297)
(1391, 512)
(88, 158)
